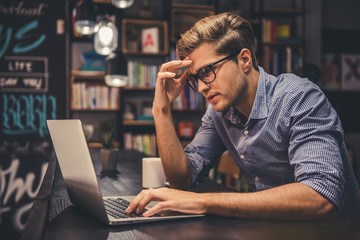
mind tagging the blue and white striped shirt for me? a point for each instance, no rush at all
(293, 134)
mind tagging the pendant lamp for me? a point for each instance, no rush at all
(106, 37)
(116, 69)
(85, 17)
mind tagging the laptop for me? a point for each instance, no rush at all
(81, 182)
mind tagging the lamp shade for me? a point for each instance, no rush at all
(106, 37)
(116, 70)
(122, 3)
(85, 17)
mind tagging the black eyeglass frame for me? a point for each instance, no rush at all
(196, 76)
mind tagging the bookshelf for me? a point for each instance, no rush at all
(89, 92)
(281, 45)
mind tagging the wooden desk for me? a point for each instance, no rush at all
(66, 221)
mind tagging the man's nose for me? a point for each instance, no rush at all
(203, 87)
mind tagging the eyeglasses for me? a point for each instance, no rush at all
(205, 74)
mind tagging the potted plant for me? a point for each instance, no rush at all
(109, 154)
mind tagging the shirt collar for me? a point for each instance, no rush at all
(259, 109)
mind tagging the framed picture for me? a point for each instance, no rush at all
(350, 74)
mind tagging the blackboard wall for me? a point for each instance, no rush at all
(32, 90)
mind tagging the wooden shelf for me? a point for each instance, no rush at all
(88, 74)
(99, 145)
(138, 123)
(282, 12)
(131, 33)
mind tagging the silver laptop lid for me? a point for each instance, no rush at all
(76, 165)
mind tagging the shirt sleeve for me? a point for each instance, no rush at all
(315, 138)
(205, 149)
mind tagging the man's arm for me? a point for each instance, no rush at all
(173, 157)
(293, 201)
(174, 160)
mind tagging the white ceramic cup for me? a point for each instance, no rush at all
(153, 175)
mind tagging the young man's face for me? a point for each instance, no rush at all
(230, 86)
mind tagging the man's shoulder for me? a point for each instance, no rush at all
(289, 83)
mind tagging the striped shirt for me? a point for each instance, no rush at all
(293, 134)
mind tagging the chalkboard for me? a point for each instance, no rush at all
(32, 90)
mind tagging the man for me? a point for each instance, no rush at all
(282, 132)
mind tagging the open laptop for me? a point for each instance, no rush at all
(80, 179)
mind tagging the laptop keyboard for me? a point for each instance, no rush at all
(115, 207)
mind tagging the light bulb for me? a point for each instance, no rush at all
(122, 3)
(106, 38)
(116, 80)
(106, 34)
(84, 27)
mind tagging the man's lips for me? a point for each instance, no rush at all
(211, 97)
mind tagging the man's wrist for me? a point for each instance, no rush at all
(161, 111)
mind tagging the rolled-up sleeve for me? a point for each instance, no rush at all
(205, 149)
(315, 136)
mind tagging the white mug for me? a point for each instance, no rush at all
(153, 175)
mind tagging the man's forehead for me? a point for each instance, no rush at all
(202, 56)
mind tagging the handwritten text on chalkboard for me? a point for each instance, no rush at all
(27, 113)
(24, 74)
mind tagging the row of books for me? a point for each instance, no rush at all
(189, 100)
(145, 143)
(281, 60)
(94, 97)
(273, 31)
(142, 75)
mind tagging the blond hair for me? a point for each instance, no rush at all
(227, 32)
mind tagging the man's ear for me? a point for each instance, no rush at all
(245, 60)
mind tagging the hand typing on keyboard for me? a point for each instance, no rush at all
(116, 208)
(170, 200)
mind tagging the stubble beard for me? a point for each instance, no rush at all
(234, 96)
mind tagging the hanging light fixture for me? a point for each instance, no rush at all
(85, 17)
(116, 69)
(122, 3)
(106, 37)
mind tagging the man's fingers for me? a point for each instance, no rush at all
(170, 64)
(161, 206)
(162, 75)
(135, 202)
(143, 202)
(174, 65)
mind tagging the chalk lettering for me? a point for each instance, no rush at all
(22, 9)
(20, 66)
(26, 114)
(23, 37)
(20, 188)
(33, 82)
(8, 82)
(6, 39)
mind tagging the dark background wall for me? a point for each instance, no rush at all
(32, 87)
